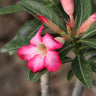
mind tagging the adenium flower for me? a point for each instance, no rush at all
(68, 7)
(87, 24)
(41, 53)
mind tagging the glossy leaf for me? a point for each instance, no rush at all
(39, 8)
(82, 70)
(83, 11)
(70, 75)
(11, 9)
(33, 77)
(29, 29)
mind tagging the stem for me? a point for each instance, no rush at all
(45, 84)
(94, 88)
(72, 21)
(78, 89)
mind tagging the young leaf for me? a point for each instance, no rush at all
(83, 11)
(82, 70)
(29, 29)
(70, 75)
(11, 9)
(65, 59)
(90, 42)
(33, 77)
(39, 8)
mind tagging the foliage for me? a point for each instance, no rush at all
(53, 11)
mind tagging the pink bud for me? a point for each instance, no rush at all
(87, 24)
(52, 26)
(43, 19)
(68, 6)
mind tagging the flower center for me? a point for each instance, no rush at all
(42, 49)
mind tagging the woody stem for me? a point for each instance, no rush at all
(45, 84)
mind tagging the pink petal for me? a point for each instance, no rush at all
(27, 52)
(50, 42)
(52, 61)
(36, 63)
(37, 38)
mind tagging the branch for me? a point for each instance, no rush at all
(45, 84)
(78, 89)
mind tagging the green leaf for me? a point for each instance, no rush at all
(83, 11)
(65, 49)
(65, 59)
(14, 45)
(93, 6)
(90, 42)
(93, 65)
(82, 70)
(11, 9)
(89, 53)
(70, 75)
(33, 77)
(39, 8)
(29, 29)
(92, 59)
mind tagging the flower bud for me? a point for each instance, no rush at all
(52, 26)
(87, 24)
(42, 19)
(68, 6)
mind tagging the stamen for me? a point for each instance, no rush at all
(42, 49)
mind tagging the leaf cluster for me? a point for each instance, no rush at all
(82, 46)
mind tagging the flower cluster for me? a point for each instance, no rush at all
(41, 53)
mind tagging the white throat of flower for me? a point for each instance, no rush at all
(42, 49)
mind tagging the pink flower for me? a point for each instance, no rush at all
(40, 53)
(68, 7)
(87, 24)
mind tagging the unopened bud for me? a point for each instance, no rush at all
(52, 26)
(87, 24)
(68, 6)
(42, 19)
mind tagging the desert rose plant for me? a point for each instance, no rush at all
(74, 29)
